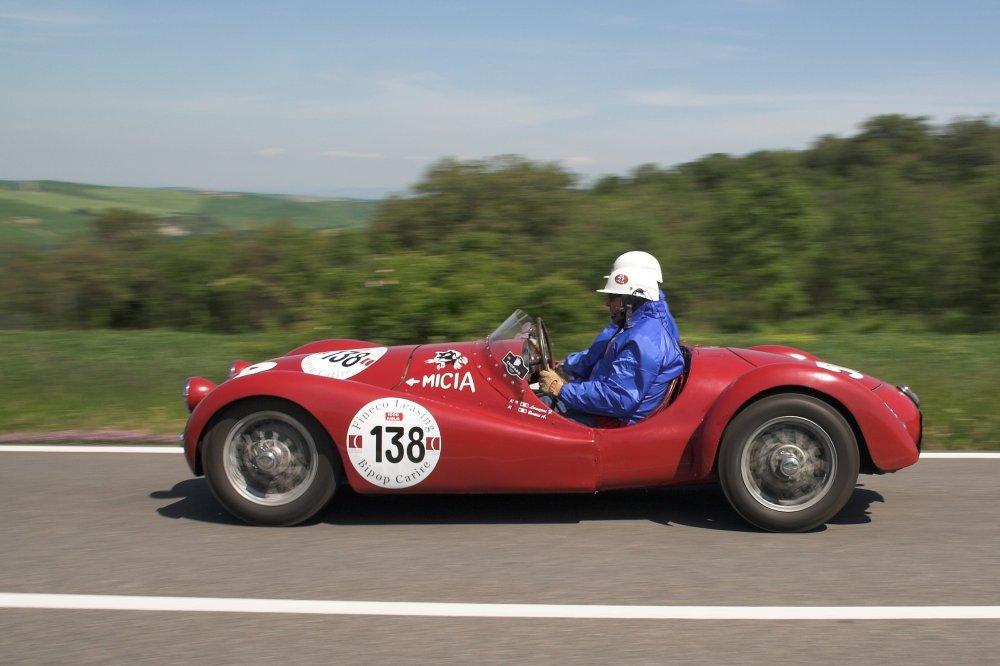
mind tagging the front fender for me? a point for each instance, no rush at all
(889, 443)
(320, 396)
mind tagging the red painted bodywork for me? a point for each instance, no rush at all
(497, 436)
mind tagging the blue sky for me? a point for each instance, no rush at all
(359, 98)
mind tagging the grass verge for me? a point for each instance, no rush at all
(58, 380)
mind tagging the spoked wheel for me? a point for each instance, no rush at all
(269, 463)
(788, 463)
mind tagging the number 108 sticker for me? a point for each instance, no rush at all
(393, 443)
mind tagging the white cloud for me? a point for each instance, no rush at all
(41, 18)
(423, 103)
(357, 155)
(940, 98)
(274, 151)
(607, 19)
(30, 25)
(445, 107)
(681, 98)
(350, 155)
(217, 104)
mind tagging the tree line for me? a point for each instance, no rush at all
(897, 223)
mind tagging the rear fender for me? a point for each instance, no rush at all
(786, 351)
(888, 442)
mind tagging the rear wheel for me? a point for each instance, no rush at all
(269, 462)
(788, 463)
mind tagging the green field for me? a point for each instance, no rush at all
(43, 212)
(132, 380)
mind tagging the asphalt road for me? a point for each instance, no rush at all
(139, 524)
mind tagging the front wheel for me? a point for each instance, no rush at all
(269, 462)
(788, 463)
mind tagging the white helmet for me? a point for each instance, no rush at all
(632, 281)
(639, 259)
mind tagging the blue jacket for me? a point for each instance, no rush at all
(579, 364)
(629, 379)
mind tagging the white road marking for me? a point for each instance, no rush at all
(552, 611)
(960, 455)
(423, 609)
(63, 448)
(34, 448)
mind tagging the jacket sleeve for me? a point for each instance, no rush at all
(579, 364)
(616, 395)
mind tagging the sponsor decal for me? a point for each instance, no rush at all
(529, 409)
(255, 368)
(514, 365)
(451, 381)
(342, 364)
(445, 358)
(394, 443)
(621, 278)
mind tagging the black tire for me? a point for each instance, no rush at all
(269, 462)
(788, 463)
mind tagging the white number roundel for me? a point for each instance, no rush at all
(394, 443)
(853, 374)
(343, 363)
(263, 366)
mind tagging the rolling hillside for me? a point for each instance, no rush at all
(42, 212)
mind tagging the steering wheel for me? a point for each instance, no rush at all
(544, 345)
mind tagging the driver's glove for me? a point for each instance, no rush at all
(549, 382)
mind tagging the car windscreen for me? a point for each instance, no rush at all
(516, 327)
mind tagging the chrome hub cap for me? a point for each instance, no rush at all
(273, 458)
(270, 458)
(789, 463)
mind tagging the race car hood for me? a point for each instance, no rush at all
(773, 354)
(367, 363)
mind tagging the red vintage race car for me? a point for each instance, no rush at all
(785, 433)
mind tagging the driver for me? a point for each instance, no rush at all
(628, 379)
(579, 364)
